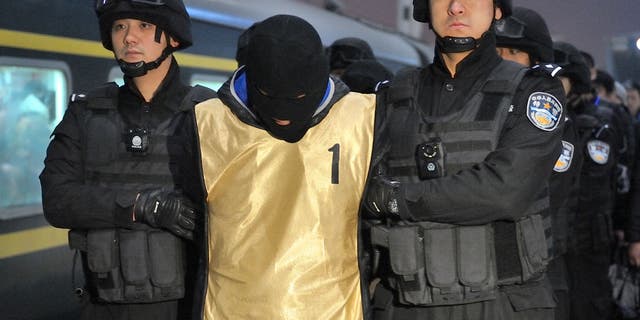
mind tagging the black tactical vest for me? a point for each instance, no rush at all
(441, 264)
(144, 264)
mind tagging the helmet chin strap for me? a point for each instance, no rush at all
(140, 68)
(460, 44)
(456, 44)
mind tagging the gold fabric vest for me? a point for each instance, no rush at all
(283, 217)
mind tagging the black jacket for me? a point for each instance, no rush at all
(499, 187)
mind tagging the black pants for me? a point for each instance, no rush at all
(557, 272)
(529, 302)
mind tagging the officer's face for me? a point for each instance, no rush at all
(633, 100)
(515, 55)
(134, 40)
(462, 18)
(566, 84)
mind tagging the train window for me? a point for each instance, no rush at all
(33, 97)
(208, 80)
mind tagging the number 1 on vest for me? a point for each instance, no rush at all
(335, 163)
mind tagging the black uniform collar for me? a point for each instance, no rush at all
(478, 62)
(166, 93)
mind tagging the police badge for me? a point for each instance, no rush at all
(544, 111)
(598, 151)
(564, 161)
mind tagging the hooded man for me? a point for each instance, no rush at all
(284, 155)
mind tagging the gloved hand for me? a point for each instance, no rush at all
(382, 198)
(165, 209)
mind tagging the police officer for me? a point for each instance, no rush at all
(366, 76)
(473, 141)
(284, 158)
(110, 173)
(346, 51)
(524, 38)
(588, 250)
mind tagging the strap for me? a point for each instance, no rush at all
(499, 89)
(196, 95)
(403, 86)
(104, 97)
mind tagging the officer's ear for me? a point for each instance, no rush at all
(173, 42)
(497, 13)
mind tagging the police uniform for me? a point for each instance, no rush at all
(110, 145)
(498, 143)
(589, 246)
(282, 224)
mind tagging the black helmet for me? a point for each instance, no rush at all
(526, 30)
(169, 15)
(421, 9)
(345, 51)
(574, 66)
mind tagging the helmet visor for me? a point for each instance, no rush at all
(564, 59)
(105, 5)
(510, 28)
(342, 56)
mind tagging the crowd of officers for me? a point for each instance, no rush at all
(499, 182)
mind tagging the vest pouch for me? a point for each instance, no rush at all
(477, 262)
(103, 262)
(167, 257)
(135, 267)
(440, 260)
(532, 246)
(407, 263)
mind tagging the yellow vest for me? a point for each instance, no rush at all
(283, 217)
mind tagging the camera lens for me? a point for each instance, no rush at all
(430, 150)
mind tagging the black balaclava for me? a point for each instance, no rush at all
(287, 74)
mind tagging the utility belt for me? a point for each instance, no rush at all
(433, 264)
(132, 266)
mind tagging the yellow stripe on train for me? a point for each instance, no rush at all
(64, 45)
(32, 240)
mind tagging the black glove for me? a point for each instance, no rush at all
(166, 209)
(382, 198)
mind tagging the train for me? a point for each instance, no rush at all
(51, 49)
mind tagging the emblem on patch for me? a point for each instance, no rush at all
(544, 111)
(598, 151)
(564, 161)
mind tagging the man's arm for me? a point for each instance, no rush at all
(66, 200)
(506, 183)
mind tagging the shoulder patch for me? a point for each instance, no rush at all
(598, 151)
(544, 111)
(564, 161)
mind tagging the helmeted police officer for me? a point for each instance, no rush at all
(524, 38)
(458, 203)
(590, 231)
(110, 173)
(346, 51)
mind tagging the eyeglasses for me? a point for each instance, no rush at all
(104, 5)
(510, 27)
